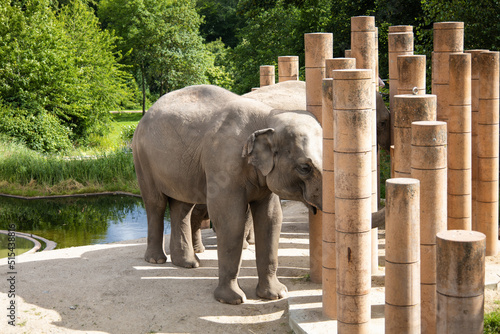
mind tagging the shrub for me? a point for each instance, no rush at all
(41, 131)
(58, 63)
(128, 133)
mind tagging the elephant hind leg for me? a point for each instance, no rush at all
(155, 209)
(181, 242)
(198, 217)
(156, 204)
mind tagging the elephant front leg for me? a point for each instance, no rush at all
(229, 218)
(181, 244)
(267, 217)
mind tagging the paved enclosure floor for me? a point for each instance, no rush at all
(111, 289)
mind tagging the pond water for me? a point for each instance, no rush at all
(22, 245)
(78, 221)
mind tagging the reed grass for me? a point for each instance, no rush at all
(26, 172)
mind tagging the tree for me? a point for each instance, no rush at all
(265, 36)
(57, 67)
(220, 20)
(160, 39)
(481, 19)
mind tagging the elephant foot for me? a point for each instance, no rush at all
(198, 247)
(272, 290)
(251, 237)
(185, 261)
(155, 257)
(230, 294)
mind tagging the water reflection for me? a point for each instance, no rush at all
(78, 221)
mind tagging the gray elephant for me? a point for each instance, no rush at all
(288, 95)
(206, 145)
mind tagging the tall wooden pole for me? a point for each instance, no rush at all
(329, 254)
(402, 256)
(460, 281)
(459, 143)
(352, 100)
(487, 151)
(429, 166)
(318, 47)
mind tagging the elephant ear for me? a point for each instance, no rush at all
(258, 150)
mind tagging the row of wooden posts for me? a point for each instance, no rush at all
(445, 168)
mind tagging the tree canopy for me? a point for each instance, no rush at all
(160, 39)
(64, 64)
(57, 69)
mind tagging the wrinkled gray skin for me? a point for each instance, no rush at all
(206, 145)
(291, 95)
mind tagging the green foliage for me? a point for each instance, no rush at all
(219, 20)
(218, 74)
(492, 322)
(128, 133)
(42, 131)
(276, 27)
(160, 39)
(481, 19)
(59, 64)
(266, 35)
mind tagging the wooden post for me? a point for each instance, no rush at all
(353, 102)
(487, 150)
(364, 46)
(460, 281)
(400, 42)
(288, 68)
(402, 256)
(363, 49)
(329, 275)
(411, 74)
(408, 109)
(459, 143)
(429, 165)
(448, 38)
(474, 118)
(318, 47)
(267, 76)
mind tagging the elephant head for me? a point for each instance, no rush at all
(289, 155)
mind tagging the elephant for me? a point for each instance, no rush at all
(203, 145)
(291, 95)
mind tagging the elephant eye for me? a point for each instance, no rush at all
(304, 169)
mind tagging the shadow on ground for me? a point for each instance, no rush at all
(111, 289)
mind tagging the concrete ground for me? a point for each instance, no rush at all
(111, 289)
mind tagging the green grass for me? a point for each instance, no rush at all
(113, 140)
(492, 322)
(105, 167)
(29, 173)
